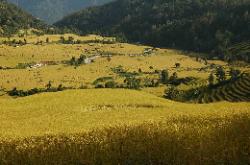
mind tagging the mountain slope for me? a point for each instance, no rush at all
(13, 19)
(188, 24)
(53, 10)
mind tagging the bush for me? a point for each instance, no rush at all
(102, 80)
(99, 86)
(83, 87)
(220, 74)
(110, 84)
(62, 39)
(24, 65)
(49, 88)
(21, 93)
(164, 76)
(172, 93)
(234, 73)
(177, 65)
(77, 61)
(133, 83)
(60, 87)
(174, 79)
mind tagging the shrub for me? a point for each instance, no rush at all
(211, 79)
(220, 74)
(48, 86)
(110, 84)
(60, 87)
(13, 92)
(174, 79)
(81, 59)
(70, 40)
(172, 93)
(177, 65)
(234, 73)
(83, 87)
(24, 65)
(33, 91)
(164, 76)
(77, 61)
(133, 83)
(99, 86)
(109, 59)
(102, 80)
(72, 61)
(62, 39)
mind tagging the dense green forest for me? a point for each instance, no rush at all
(54, 10)
(13, 19)
(199, 25)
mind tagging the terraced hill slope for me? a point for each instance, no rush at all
(236, 91)
(240, 51)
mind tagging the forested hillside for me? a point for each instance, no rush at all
(13, 19)
(53, 10)
(198, 25)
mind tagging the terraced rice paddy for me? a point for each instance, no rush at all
(241, 51)
(240, 48)
(236, 91)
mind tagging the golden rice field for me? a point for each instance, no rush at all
(75, 111)
(126, 55)
(112, 126)
(115, 126)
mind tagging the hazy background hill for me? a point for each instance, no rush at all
(53, 10)
(13, 19)
(197, 25)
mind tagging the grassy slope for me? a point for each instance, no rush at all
(78, 111)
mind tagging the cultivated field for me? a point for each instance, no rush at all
(84, 125)
(129, 56)
(113, 126)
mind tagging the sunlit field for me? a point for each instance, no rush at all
(85, 125)
(129, 56)
(115, 126)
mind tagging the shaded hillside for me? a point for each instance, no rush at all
(54, 10)
(236, 91)
(206, 26)
(13, 19)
